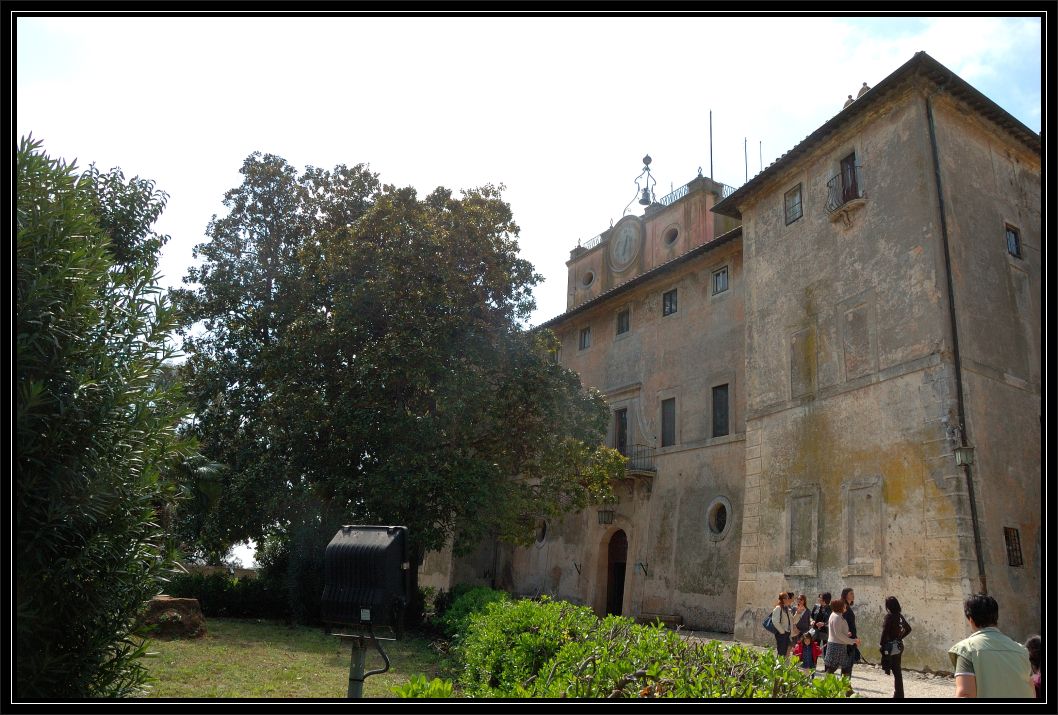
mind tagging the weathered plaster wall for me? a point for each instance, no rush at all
(686, 569)
(990, 182)
(850, 479)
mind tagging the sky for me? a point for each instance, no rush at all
(559, 110)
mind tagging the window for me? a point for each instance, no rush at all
(671, 234)
(792, 202)
(620, 431)
(1013, 547)
(622, 322)
(585, 338)
(720, 411)
(668, 303)
(720, 280)
(1013, 242)
(541, 532)
(717, 518)
(849, 184)
(668, 422)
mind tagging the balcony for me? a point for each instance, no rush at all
(641, 460)
(845, 193)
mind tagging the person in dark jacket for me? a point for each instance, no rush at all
(820, 616)
(849, 597)
(894, 629)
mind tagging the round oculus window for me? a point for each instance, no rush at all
(587, 279)
(541, 531)
(670, 235)
(717, 517)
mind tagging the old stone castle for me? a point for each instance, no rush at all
(828, 377)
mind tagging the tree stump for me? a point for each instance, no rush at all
(175, 618)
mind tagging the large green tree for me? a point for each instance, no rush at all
(359, 357)
(96, 425)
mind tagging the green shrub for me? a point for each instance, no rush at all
(418, 687)
(548, 649)
(508, 643)
(221, 595)
(97, 413)
(456, 618)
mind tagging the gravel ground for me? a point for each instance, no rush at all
(868, 680)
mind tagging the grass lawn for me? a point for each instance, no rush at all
(264, 659)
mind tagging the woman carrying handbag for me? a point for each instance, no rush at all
(894, 629)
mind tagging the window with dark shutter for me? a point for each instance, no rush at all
(668, 422)
(792, 203)
(1013, 547)
(620, 431)
(622, 322)
(720, 411)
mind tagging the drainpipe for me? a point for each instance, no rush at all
(959, 399)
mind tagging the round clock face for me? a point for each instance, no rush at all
(624, 244)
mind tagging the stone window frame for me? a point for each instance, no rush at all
(673, 231)
(864, 299)
(861, 567)
(811, 568)
(709, 512)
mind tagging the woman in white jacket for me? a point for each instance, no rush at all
(780, 618)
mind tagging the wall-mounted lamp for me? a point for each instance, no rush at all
(964, 456)
(576, 566)
(642, 568)
(605, 516)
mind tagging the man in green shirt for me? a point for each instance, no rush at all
(988, 664)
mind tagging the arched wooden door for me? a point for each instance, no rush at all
(616, 556)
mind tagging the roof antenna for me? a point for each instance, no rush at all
(646, 194)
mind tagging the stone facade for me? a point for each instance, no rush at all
(853, 368)
(857, 382)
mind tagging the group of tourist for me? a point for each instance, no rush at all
(987, 663)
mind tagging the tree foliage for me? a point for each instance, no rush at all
(96, 418)
(361, 360)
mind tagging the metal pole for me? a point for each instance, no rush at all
(710, 144)
(356, 669)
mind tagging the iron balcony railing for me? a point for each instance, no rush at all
(677, 194)
(640, 458)
(843, 188)
(591, 242)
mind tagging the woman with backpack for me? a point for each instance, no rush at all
(894, 629)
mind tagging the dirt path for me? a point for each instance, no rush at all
(869, 681)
